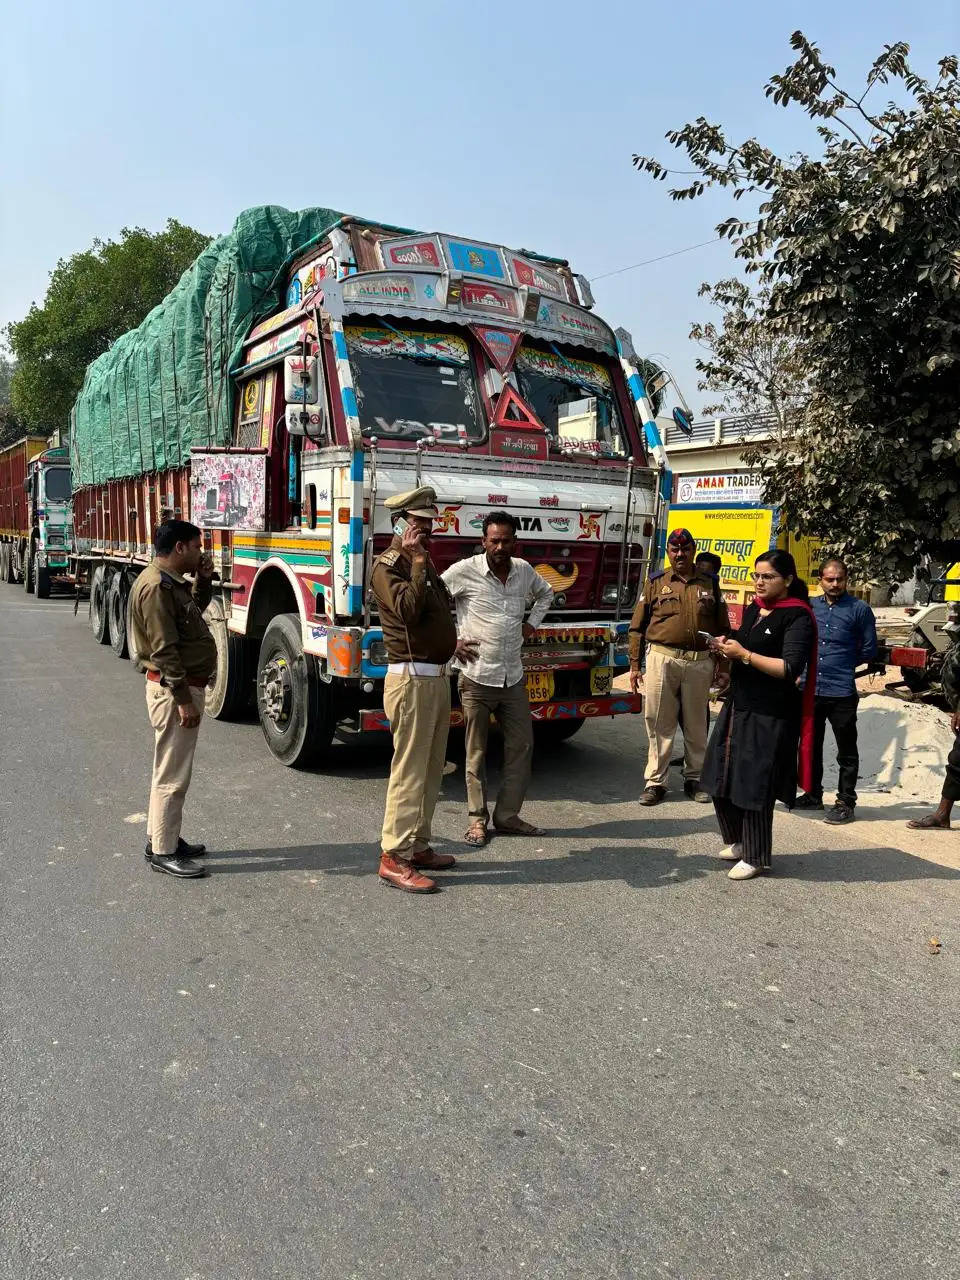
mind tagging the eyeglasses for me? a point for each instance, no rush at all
(764, 577)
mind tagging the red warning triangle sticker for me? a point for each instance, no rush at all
(512, 411)
(499, 344)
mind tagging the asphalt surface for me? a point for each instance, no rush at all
(591, 1055)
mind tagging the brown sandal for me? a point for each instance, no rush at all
(476, 834)
(521, 828)
(930, 823)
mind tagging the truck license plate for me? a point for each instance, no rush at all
(539, 686)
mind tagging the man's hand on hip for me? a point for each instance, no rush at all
(190, 717)
(466, 650)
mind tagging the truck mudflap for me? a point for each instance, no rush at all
(375, 721)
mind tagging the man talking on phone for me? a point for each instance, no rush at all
(678, 610)
(416, 615)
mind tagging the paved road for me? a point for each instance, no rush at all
(590, 1056)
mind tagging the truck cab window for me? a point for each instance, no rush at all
(56, 484)
(411, 383)
(573, 398)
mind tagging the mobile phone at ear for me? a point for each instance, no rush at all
(400, 526)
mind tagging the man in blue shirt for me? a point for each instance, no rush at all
(847, 636)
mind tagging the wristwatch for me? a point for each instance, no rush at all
(746, 659)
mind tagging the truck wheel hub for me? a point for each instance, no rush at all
(276, 690)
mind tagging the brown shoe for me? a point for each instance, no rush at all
(653, 795)
(403, 875)
(433, 861)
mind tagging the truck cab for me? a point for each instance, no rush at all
(46, 554)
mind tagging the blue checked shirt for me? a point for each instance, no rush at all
(846, 637)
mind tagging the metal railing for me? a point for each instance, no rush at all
(723, 431)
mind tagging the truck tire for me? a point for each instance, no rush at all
(99, 622)
(41, 582)
(28, 569)
(293, 703)
(228, 697)
(5, 563)
(550, 733)
(117, 615)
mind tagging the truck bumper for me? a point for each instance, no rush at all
(375, 721)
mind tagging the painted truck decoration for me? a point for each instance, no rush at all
(403, 359)
(36, 522)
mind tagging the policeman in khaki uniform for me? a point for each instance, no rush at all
(674, 606)
(175, 649)
(421, 638)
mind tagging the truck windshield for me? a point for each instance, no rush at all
(573, 398)
(56, 484)
(412, 383)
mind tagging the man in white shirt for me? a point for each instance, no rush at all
(492, 592)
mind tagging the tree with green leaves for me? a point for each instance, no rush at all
(754, 372)
(93, 298)
(858, 251)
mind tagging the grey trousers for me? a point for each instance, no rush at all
(512, 711)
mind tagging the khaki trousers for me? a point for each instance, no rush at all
(173, 750)
(512, 710)
(668, 682)
(418, 708)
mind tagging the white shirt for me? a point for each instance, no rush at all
(491, 614)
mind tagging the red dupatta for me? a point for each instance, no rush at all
(805, 750)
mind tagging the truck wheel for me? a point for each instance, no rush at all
(117, 615)
(917, 679)
(99, 586)
(5, 564)
(550, 733)
(293, 703)
(28, 570)
(41, 582)
(229, 695)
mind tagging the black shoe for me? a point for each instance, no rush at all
(184, 850)
(675, 764)
(806, 801)
(174, 865)
(695, 792)
(653, 795)
(839, 814)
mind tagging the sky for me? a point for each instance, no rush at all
(510, 122)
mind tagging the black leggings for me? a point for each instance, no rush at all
(752, 829)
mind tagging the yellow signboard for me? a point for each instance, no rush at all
(736, 534)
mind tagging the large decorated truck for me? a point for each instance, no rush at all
(36, 527)
(309, 366)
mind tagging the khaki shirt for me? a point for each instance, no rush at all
(671, 612)
(415, 608)
(170, 635)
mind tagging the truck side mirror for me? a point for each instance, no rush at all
(301, 380)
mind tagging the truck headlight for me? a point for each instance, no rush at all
(378, 654)
(610, 593)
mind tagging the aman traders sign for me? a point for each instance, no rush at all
(720, 488)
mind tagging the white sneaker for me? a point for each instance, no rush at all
(730, 852)
(743, 871)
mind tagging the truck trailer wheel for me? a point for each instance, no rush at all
(28, 570)
(6, 563)
(99, 586)
(117, 615)
(549, 733)
(229, 695)
(293, 703)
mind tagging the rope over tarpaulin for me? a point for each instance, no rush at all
(164, 387)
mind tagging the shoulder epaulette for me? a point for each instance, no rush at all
(657, 573)
(388, 557)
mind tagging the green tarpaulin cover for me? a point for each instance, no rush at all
(164, 387)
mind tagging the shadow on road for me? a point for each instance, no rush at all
(641, 868)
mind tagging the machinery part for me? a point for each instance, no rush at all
(228, 697)
(293, 703)
(116, 603)
(99, 586)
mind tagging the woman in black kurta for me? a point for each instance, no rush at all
(751, 760)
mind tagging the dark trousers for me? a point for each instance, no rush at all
(752, 829)
(841, 715)
(951, 783)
